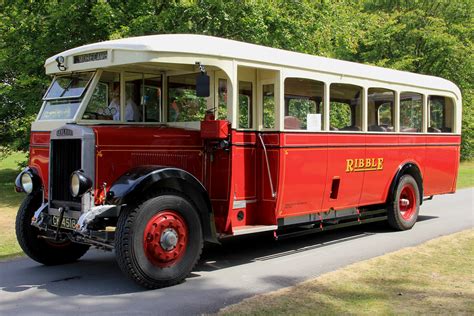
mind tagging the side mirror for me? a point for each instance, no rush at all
(202, 85)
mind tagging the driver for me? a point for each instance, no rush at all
(114, 105)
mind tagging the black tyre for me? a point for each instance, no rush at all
(404, 206)
(41, 250)
(158, 242)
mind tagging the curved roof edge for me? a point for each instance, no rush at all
(220, 47)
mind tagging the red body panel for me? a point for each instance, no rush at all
(303, 173)
(215, 129)
(309, 162)
(39, 156)
(120, 148)
(305, 167)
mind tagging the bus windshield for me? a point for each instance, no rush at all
(64, 96)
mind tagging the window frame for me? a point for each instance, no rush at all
(428, 114)
(260, 105)
(423, 112)
(363, 105)
(323, 104)
(395, 112)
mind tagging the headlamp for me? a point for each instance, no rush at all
(80, 183)
(27, 181)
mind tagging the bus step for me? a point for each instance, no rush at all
(250, 229)
(323, 227)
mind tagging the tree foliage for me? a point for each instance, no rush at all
(429, 37)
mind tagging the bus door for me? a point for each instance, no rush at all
(218, 155)
(268, 149)
(243, 195)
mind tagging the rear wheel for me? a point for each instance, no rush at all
(403, 209)
(42, 250)
(159, 242)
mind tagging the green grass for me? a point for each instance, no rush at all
(433, 278)
(466, 175)
(9, 202)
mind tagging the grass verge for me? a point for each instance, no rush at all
(465, 175)
(9, 202)
(433, 278)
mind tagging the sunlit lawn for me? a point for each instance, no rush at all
(466, 175)
(435, 278)
(9, 202)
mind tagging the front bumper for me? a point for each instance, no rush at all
(89, 225)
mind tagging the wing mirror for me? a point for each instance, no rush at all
(202, 82)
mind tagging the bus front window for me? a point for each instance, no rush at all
(64, 96)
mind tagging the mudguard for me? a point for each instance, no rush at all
(411, 169)
(131, 186)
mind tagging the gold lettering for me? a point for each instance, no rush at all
(349, 165)
(367, 163)
(380, 164)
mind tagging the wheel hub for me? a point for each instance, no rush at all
(169, 239)
(407, 202)
(404, 202)
(165, 238)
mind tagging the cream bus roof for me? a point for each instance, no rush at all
(224, 48)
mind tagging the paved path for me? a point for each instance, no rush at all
(226, 274)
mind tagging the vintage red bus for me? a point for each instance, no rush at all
(151, 146)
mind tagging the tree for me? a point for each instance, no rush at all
(430, 37)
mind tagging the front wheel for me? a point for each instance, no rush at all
(45, 251)
(403, 209)
(158, 242)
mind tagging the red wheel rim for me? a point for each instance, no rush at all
(165, 238)
(407, 202)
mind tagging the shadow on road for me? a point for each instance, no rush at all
(101, 275)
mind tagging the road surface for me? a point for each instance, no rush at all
(226, 274)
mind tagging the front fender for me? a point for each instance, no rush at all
(132, 185)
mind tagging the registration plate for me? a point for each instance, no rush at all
(68, 222)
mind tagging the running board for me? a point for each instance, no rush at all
(322, 227)
(251, 229)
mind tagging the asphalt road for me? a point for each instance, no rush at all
(226, 274)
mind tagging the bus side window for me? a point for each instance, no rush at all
(345, 107)
(411, 112)
(151, 99)
(222, 99)
(268, 119)
(245, 108)
(441, 114)
(303, 104)
(381, 110)
(183, 103)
